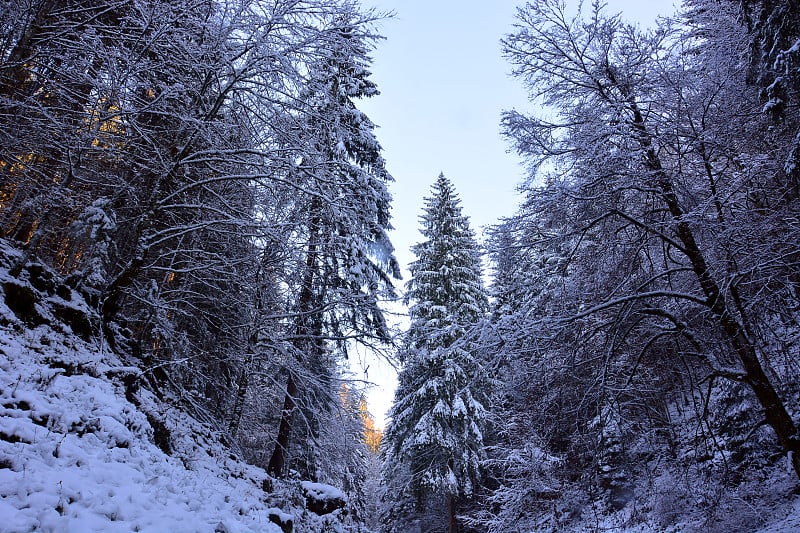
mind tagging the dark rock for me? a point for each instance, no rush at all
(282, 520)
(76, 319)
(22, 301)
(41, 278)
(70, 368)
(62, 291)
(322, 499)
(12, 438)
(162, 437)
(130, 380)
(22, 405)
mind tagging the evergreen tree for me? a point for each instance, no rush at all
(342, 259)
(438, 412)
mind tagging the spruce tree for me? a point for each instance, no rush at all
(343, 259)
(435, 433)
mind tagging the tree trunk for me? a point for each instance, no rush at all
(277, 463)
(452, 520)
(774, 409)
(242, 383)
(112, 295)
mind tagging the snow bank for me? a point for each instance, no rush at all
(321, 491)
(76, 455)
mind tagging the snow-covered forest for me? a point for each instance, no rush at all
(194, 238)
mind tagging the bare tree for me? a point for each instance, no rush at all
(647, 196)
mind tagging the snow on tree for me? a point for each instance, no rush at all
(647, 270)
(623, 177)
(435, 431)
(446, 286)
(341, 258)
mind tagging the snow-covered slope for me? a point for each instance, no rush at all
(84, 448)
(75, 455)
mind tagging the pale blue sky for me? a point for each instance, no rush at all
(444, 84)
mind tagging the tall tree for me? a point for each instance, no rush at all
(343, 260)
(656, 230)
(437, 416)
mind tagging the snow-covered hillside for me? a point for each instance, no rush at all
(83, 447)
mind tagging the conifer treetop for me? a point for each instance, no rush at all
(446, 290)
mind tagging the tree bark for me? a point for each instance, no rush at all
(242, 383)
(277, 463)
(452, 520)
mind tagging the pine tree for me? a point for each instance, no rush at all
(435, 432)
(343, 259)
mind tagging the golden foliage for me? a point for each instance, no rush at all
(372, 434)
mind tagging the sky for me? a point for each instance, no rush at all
(444, 85)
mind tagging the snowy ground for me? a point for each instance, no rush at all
(75, 455)
(790, 524)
